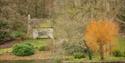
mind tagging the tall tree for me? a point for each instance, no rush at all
(101, 35)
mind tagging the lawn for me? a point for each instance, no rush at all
(38, 42)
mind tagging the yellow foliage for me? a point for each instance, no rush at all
(104, 32)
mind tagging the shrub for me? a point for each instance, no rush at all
(79, 55)
(75, 49)
(16, 34)
(4, 31)
(4, 36)
(117, 53)
(124, 54)
(24, 49)
(43, 48)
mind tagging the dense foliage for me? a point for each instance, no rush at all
(79, 55)
(4, 31)
(24, 49)
(75, 49)
(117, 53)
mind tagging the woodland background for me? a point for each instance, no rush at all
(69, 17)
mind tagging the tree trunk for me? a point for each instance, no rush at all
(88, 51)
(101, 51)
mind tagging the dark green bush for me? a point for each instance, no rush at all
(43, 48)
(4, 36)
(117, 53)
(4, 31)
(79, 55)
(75, 49)
(24, 49)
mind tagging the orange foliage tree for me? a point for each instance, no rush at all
(100, 36)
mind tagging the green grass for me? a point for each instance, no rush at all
(5, 50)
(38, 42)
